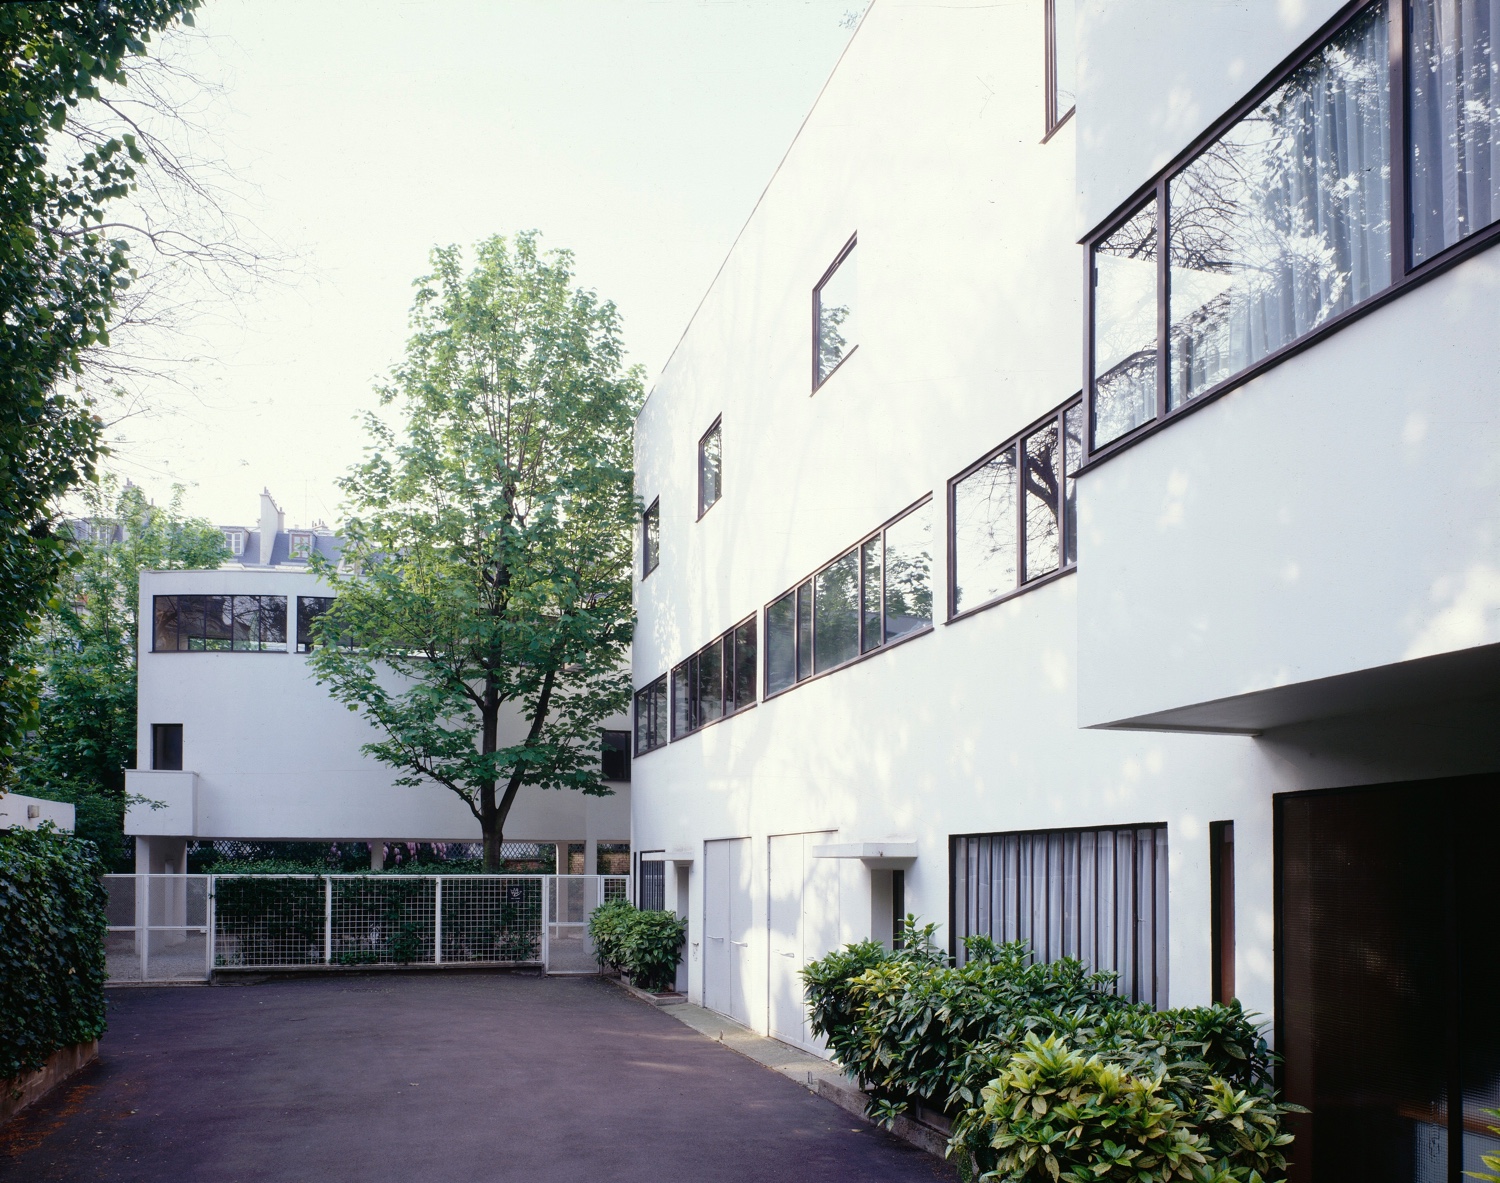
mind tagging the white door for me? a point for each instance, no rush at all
(803, 925)
(726, 927)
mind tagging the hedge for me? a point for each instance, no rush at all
(1047, 1073)
(52, 925)
(646, 946)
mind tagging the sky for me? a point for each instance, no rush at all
(361, 133)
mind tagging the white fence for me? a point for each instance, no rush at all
(179, 928)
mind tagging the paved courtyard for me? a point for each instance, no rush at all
(438, 1078)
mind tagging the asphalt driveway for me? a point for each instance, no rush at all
(431, 1079)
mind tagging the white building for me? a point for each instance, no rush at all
(237, 740)
(1247, 745)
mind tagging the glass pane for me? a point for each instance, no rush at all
(1064, 57)
(246, 622)
(1043, 475)
(744, 664)
(218, 622)
(1125, 327)
(643, 720)
(273, 622)
(871, 564)
(710, 683)
(651, 542)
(190, 622)
(1072, 462)
(309, 608)
(164, 629)
(836, 325)
(659, 713)
(781, 643)
(908, 574)
(1285, 220)
(682, 698)
(709, 470)
(804, 631)
(1455, 122)
(984, 532)
(836, 613)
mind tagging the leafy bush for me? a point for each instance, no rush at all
(645, 946)
(52, 923)
(914, 1029)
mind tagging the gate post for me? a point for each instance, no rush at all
(437, 921)
(327, 920)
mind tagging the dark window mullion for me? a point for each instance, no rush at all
(1020, 452)
(1163, 298)
(1397, 24)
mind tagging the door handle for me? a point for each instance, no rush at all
(716, 938)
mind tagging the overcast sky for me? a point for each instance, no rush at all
(637, 133)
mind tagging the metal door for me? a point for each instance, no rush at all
(802, 925)
(726, 927)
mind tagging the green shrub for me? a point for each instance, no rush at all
(52, 923)
(646, 946)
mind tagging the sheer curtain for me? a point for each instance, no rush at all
(1455, 122)
(1285, 220)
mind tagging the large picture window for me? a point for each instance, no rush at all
(1335, 183)
(835, 330)
(875, 593)
(1099, 895)
(1013, 514)
(651, 716)
(196, 624)
(716, 681)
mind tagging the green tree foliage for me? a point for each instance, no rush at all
(83, 738)
(486, 563)
(645, 945)
(60, 276)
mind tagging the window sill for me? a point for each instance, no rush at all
(853, 661)
(1029, 586)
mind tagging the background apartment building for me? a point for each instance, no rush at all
(1140, 598)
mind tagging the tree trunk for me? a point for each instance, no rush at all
(491, 819)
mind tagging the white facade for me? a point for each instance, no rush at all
(268, 754)
(1296, 587)
(20, 812)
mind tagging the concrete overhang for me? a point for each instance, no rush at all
(889, 855)
(1460, 676)
(164, 804)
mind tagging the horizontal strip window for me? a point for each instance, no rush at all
(876, 593)
(1013, 515)
(716, 681)
(651, 717)
(1099, 895)
(309, 608)
(197, 624)
(1374, 155)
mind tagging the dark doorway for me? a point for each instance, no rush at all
(166, 746)
(1389, 979)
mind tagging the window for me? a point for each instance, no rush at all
(872, 595)
(1221, 904)
(1099, 895)
(235, 541)
(1335, 184)
(1062, 63)
(710, 468)
(309, 608)
(652, 890)
(1013, 515)
(166, 747)
(835, 333)
(219, 623)
(716, 681)
(651, 538)
(612, 858)
(614, 749)
(651, 717)
(299, 546)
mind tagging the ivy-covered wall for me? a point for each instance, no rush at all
(51, 947)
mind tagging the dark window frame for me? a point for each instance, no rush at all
(163, 745)
(664, 726)
(1222, 910)
(650, 561)
(287, 625)
(605, 749)
(715, 427)
(1404, 276)
(728, 642)
(883, 646)
(1054, 118)
(820, 380)
(1057, 415)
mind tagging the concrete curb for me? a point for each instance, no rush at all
(669, 999)
(20, 1092)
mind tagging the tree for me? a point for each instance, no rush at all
(60, 277)
(85, 650)
(486, 562)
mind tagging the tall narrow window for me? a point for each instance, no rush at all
(614, 755)
(1125, 327)
(1062, 63)
(836, 613)
(1221, 883)
(1072, 461)
(650, 538)
(805, 630)
(908, 573)
(984, 531)
(835, 333)
(872, 587)
(781, 643)
(684, 697)
(1041, 488)
(1455, 122)
(710, 468)
(710, 683)
(651, 716)
(166, 747)
(743, 674)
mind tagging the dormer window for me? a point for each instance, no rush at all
(299, 545)
(235, 541)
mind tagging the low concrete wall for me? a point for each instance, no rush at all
(20, 1091)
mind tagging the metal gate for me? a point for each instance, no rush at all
(176, 928)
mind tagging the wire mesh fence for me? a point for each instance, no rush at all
(183, 927)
